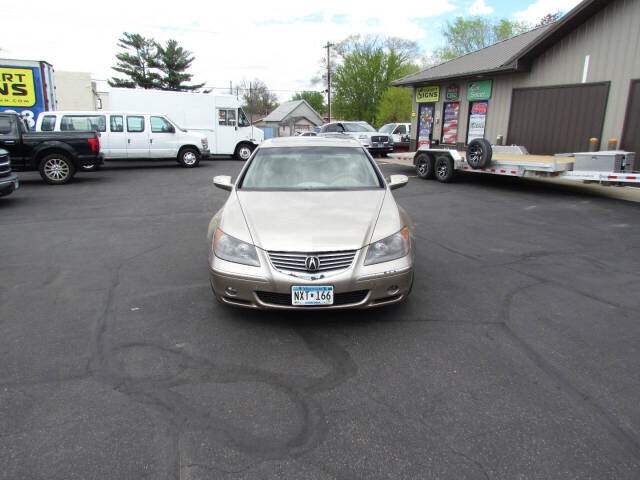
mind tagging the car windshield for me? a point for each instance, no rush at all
(387, 128)
(310, 168)
(358, 127)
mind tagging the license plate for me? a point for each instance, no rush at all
(378, 145)
(312, 295)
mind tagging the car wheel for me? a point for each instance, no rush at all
(189, 157)
(56, 169)
(243, 151)
(424, 165)
(479, 153)
(443, 169)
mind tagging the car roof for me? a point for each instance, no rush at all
(310, 141)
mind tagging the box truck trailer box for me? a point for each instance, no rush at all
(27, 88)
(218, 117)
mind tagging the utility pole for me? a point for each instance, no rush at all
(328, 47)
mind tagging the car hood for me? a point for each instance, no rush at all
(311, 221)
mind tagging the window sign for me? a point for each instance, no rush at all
(477, 120)
(427, 94)
(450, 123)
(479, 90)
(425, 124)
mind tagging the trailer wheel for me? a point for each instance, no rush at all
(443, 168)
(424, 165)
(479, 153)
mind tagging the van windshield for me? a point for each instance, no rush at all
(176, 125)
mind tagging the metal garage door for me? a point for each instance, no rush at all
(549, 120)
(631, 132)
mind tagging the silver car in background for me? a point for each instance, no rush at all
(311, 223)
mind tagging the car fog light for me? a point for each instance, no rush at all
(393, 289)
(230, 291)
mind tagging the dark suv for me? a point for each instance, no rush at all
(8, 181)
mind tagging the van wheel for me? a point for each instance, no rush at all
(443, 169)
(56, 169)
(243, 151)
(424, 165)
(189, 157)
(479, 153)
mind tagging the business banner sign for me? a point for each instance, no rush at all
(427, 94)
(452, 92)
(479, 90)
(21, 91)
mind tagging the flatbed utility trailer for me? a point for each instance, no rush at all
(441, 164)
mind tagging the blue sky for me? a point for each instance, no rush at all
(279, 42)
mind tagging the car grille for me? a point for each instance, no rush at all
(5, 165)
(284, 299)
(295, 261)
(380, 139)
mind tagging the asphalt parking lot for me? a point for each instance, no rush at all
(516, 356)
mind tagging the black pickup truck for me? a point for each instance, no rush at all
(56, 155)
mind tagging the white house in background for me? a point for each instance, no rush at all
(75, 91)
(292, 116)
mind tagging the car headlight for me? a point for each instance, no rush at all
(231, 249)
(390, 248)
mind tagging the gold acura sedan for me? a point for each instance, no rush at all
(311, 223)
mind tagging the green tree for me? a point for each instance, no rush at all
(257, 98)
(366, 68)
(138, 62)
(315, 99)
(396, 102)
(173, 61)
(465, 36)
(549, 18)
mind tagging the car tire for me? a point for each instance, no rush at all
(443, 170)
(424, 165)
(479, 153)
(56, 169)
(243, 151)
(189, 157)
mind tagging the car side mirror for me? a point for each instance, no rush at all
(224, 182)
(397, 181)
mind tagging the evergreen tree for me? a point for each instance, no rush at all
(173, 61)
(138, 62)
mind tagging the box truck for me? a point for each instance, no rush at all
(27, 88)
(218, 117)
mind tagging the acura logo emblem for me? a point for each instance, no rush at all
(312, 264)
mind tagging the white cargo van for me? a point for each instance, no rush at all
(131, 135)
(219, 117)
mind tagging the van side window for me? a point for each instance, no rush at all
(227, 117)
(135, 124)
(48, 123)
(83, 123)
(160, 125)
(5, 126)
(117, 124)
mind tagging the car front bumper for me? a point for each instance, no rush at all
(265, 287)
(9, 184)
